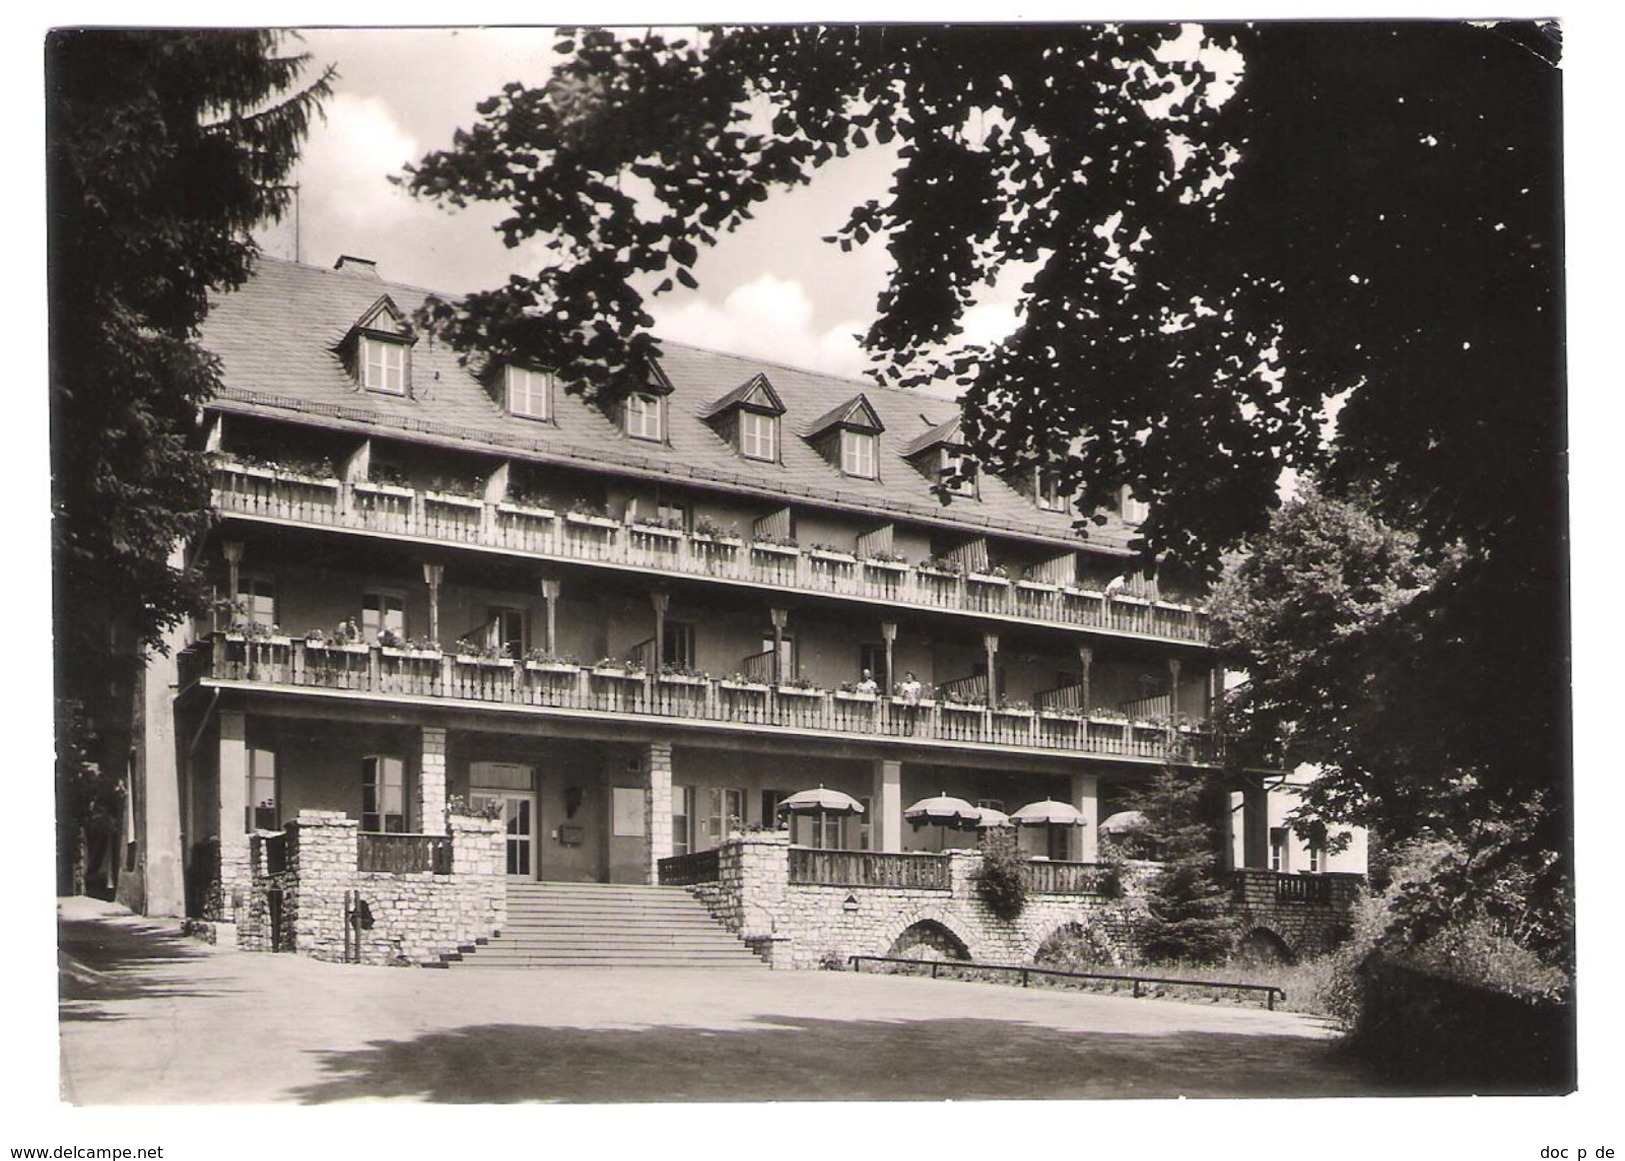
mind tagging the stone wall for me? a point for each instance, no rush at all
(1306, 927)
(806, 925)
(416, 917)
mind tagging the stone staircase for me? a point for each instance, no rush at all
(607, 925)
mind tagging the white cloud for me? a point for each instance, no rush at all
(346, 168)
(768, 318)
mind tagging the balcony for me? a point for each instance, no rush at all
(629, 694)
(381, 509)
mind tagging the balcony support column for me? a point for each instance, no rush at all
(1255, 825)
(990, 643)
(233, 816)
(232, 550)
(888, 633)
(1083, 845)
(886, 804)
(661, 602)
(433, 575)
(1215, 692)
(781, 618)
(1173, 695)
(550, 597)
(431, 797)
(656, 762)
(1086, 659)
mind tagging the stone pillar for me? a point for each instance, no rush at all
(1086, 659)
(234, 870)
(990, 642)
(1084, 845)
(781, 618)
(479, 863)
(550, 595)
(661, 602)
(1173, 693)
(321, 871)
(888, 633)
(886, 801)
(433, 574)
(431, 797)
(232, 550)
(1255, 826)
(656, 763)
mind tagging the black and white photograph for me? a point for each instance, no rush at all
(795, 570)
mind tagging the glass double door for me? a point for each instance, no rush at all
(518, 816)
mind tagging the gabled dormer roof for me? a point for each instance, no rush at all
(942, 435)
(855, 414)
(383, 317)
(655, 381)
(755, 393)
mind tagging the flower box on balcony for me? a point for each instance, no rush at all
(587, 520)
(493, 662)
(413, 654)
(799, 691)
(937, 573)
(658, 530)
(744, 686)
(272, 639)
(788, 550)
(854, 695)
(245, 469)
(613, 674)
(1176, 606)
(964, 707)
(1126, 599)
(307, 479)
(681, 679)
(368, 487)
(720, 541)
(452, 500)
(552, 667)
(1053, 715)
(508, 509)
(1034, 586)
(1116, 723)
(897, 566)
(1014, 713)
(1084, 594)
(828, 557)
(324, 647)
(987, 578)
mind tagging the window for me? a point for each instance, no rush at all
(1058, 844)
(1047, 490)
(759, 436)
(507, 631)
(672, 515)
(682, 805)
(530, 392)
(1278, 859)
(1132, 510)
(677, 643)
(858, 454)
(383, 365)
(383, 794)
(643, 417)
(873, 658)
(949, 475)
(770, 806)
(257, 597)
(787, 655)
(727, 811)
(381, 610)
(861, 822)
(261, 809)
(1316, 858)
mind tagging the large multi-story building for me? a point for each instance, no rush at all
(632, 630)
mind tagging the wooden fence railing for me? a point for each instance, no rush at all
(686, 870)
(868, 869)
(403, 854)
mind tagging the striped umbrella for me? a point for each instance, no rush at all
(945, 811)
(821, 802)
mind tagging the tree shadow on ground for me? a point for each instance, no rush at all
(99, 962)
(803, 1059)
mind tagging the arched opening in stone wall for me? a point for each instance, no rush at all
(928, 939)
(1074, 947)
(1261, 945)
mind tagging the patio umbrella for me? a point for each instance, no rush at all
(987, 817)
(821, 802)
(1124, 822)
(1049, 813)
(944, 811)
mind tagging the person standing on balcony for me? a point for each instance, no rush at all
(909, 690)
(867, 684)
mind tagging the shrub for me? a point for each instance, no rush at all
(998, 881)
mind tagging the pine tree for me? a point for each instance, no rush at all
(1186, 907)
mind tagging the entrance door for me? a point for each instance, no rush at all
(519, 820)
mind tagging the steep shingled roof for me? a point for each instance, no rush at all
(277, 335)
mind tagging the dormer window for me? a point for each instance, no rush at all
(758, 436)
(383, 365)
(645, 416)
(956, 473)
(529, 391)
(1133, 511)
(1047, 491)
(858, 454)
(377, 350)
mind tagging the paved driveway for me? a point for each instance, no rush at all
(149, 1017)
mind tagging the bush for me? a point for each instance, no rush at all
(998, 881)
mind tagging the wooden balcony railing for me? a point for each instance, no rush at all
(1059, 878)
(868, 869)
(403, 854)
(380, 508)
(687, 870)
(281, 662)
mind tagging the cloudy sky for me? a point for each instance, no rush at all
(772, 289)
